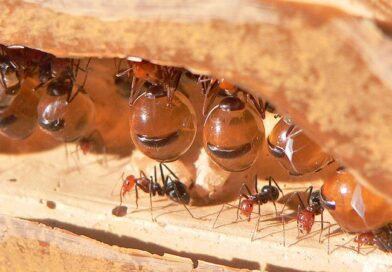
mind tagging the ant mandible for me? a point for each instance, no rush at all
(306, 213)
(268, 193)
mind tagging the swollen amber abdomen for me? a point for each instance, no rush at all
(233, 134)
(295, 151)
(161, 130)
(354, 208)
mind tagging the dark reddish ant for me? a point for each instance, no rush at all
(172, 187)
(10, 76)
(212, 87)
(142, 71)
(306, 213)
(94, 142)
(268, 193)
(233, 131)
(381, 237)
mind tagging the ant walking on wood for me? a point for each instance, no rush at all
(306, 214)
(268, 193)
(171, 186)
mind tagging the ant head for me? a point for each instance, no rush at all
(271, 191)
(314, 199)
(305, 221)
(129, 182)
(226, 85)
(61, 85)
(144, 70)
(246, 207)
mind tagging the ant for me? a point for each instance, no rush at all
(212, 87)
(10, 76)
(268, 193)
(93, 142)
(306, 213)
(142, 71)
(171, 186)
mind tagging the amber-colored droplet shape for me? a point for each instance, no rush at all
(19, 119)
(161, 130)
(294, 150)
(233, 134)
(63, 120)
(354, 208)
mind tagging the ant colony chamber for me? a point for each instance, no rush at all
(168, 150)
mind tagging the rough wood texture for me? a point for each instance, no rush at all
(327, 68)
(30, 246)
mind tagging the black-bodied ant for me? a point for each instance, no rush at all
(171, 186)
(247, 200)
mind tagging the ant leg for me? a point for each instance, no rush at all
(255, 228)
(136, 86)
(151, 183)
(290, 198)
(298, 211)
(210, 96)
(216, 219)
(142, 174)
(122, 191)
(164, 181)
(276, 184)
(322, 226)
(256, 183)
(171, 171)
(136, 197)
(177, 195)
(271, 197)
(75, 157)
(310, 189)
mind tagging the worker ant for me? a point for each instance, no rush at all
(306, 213)
(142, 71)
(93, 142)
(171, 186)
(212, 87)
(268, 193)
(65, 114)
(10, 75)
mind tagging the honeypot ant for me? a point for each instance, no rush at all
(306, 214)
(10, 75)
(171, 186)
(142, 71)
(212, 87)
(268, 193)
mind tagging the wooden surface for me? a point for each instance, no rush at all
(329, 67)
(36, 173)
(31, 246)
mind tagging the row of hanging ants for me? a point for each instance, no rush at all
(232, 115)
(67, 113)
